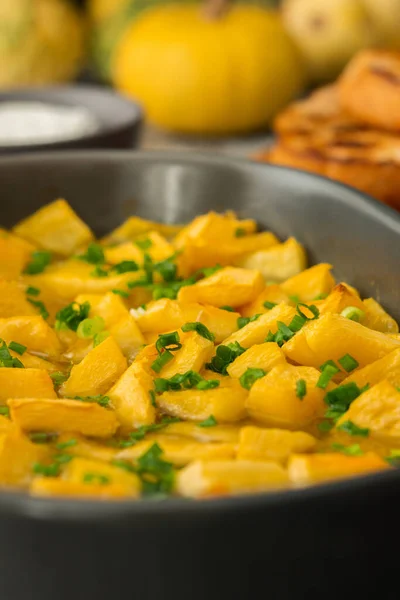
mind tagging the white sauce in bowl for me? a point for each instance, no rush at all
(24, 123)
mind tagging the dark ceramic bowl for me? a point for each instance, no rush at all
(120, 120)
(325, 542)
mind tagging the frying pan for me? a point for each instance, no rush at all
(327, 542)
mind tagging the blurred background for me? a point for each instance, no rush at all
(209, 74)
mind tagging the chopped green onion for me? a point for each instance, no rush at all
(72, 315)
(167, 269)
(4, 411)
(99, 272)
(188, 380)
(161, 361)
(125, 266)
(331, 363)
(93, 255)
(340, 399)
(211, 421)
(67, 444)
(243, 321)
(311, 307)
(297, 323)
(157, 475)
(96, 478)
(353, 313)
(32, 291)
(228, 308)
(294, 298)
(153, 399)
(269, 305)
(52, 470)
(326, 376)
(18, 348)
(250, 376)
(353, 429)
(140, 433)
(207, 384)
(144, 244)
(40, 305)
(121, 293)
(88, 328)
(98, 338)
(321, 296)
(39, 261)
(58, 377)
(224, 356)
(168, 341)
(325, 426)
(301, 388)
(353, 450)
(42, 437)
(200, 329)
(240, 232)
(6, 360)
(348, 363)
(103, 401)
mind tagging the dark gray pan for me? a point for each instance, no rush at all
(331, 541)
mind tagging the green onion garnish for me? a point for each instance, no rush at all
(71, 315)
(99, 272)
(328, 372)
(125, 266)
(243, 321)
(211, 421)
(250, 376)
(39, 261)
(93, 255)
(353, 429)
(224, 356)
(301, 388)
(121, 293)
(98, 338)
(348, 363)
(58, 377)
(228, 308)
(269, 305)
(88, 328)
(144, 244)
(18, 348)
(4, 411)
(67, 444)
(353, 313)
(40, 305)
(96, 478)
(200, 329)
(353, 450)
(240, 232)
(32, 291)
(162, 360)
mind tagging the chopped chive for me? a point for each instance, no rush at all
(269, 305)
(141, 432)
(348, 363)
(99, 272)
(52, 470)
(297, 323)
(18, 348)
(325, 426)
(240, 232)
(168, 341)
(228, 308)
(200, 329)
(39, 261)
(40, 305)
(88, 328)
(331, 363)
(72, 315)
(353, 429)
(310, 307)
(6, 360)
(321, 296)
(207, 384)
(94, 255)
(250, 376)
(340, 399)
(42, 437)
(353, 450)
(96, 478)
(294, 298)
(211, 421)
(121, 293)
(161, 361)
(188, 380)
(32, 291)
(144, 244)
(4, 411)
(103, 401)
(301, 388)
(153, 400)
(353, 313)
(98, 338)
(125, 266)
(58, 377)
(67, 444)
(224, 356)
(326, 376)
(243, 321)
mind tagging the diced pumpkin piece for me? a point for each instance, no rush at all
(272, 444)
(85, 470)
(158, 249)
(39, 414)
(272, 294)
(6, 425)
(218, 478)
(109, 307)
(134, 227)
(229, 286)
(277, 263)
(128, 336)
(218, 433)
(68, 279)
(312, 468)
(55, 227)
(180, 450)
(54, 486)
(30, 361)
(387, 367)
(25, 383)
(15, 254)
(260, 356)
(97, 372)
(273, 399)
(196, 351)
(225, 404)
(166, 315)
(77, 445)
(32, 332)
(213, 227)
(332, 336)
(18, 456)
(340, 298)
(311, 283)
(377, 409)
(131, 397)
(256, 331)
(377, 318)
(13, 302)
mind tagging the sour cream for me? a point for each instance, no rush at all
(24, 123)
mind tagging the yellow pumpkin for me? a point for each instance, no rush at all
(208, 75)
